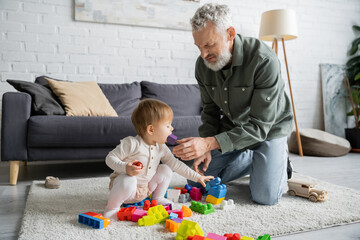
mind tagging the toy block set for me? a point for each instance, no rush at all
(148, 212)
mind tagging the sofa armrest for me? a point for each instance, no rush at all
(16, 111)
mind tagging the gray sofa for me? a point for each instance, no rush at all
(29, 137)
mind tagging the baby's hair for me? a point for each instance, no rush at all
(150, 111)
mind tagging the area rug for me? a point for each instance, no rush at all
(53, 213)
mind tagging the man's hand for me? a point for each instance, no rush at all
(194, 147)
(204, 179)
(132, 168)
(206, 159)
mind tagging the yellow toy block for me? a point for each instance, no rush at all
(106, 220)
(247, 238)
(214, 200)
(188, 228)
(186, 211)
(159, 213)
(147, 220)
(172, 226)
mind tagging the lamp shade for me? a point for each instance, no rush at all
(278, 24)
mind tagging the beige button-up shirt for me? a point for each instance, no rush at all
(134, 148)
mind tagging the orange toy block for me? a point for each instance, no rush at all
(171, 225)
(105, 220)
(146, 205)
(93, 214)
(125, 213)
(186, 211)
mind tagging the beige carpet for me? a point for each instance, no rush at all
(52, 214)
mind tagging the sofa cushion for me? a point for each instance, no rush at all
(123, 97)
(44, 101)
(63, 131)
(319, 143)
(184, 99)
(186, 126)
(82, 98)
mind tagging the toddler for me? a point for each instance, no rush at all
(131, 181)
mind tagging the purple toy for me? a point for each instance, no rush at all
(171, 139)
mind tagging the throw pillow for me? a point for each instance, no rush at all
(319, 143)
(44, 101)
(82, 98)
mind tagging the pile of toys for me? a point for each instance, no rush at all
(148, 212)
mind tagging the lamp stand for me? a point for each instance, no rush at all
(275, 47)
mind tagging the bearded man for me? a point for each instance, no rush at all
(246, 114)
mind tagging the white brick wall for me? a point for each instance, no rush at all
(40, 37)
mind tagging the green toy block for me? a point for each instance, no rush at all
(188, 228)
(202, 208)
(147, 220)
(265, 237)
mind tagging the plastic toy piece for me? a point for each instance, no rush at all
(173, 194)
(97, 222)
(183, 198)
(125, 213)
(195, 194)
(265, 237)
(93, 214)
(141, 203)
(247, 238)
(201, 208)
(146, 205)
(188, 228)
(137, 214)
(218, 191)
(171, 139)
(227, 204)
(139, 164)
(188, 187)
(176, 211)
(147, 220)
(215, 236)
(307, 190)
(214, 200)
(159, 212)
(168, 206)
(178, 220)
(173, 215)
(186, 211)
(197, 237)
(171, 225)
(235, 236)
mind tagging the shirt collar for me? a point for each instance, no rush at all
(238, 52)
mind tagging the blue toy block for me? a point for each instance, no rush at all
(215, 181)
(91, 221)
(218, 191)
(139, 204)
(188, 187)
(173, 215)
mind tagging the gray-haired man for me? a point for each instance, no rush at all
(246, 113)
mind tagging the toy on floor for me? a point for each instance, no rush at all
(227, 204)
(188, 228)
(235, 236)
(307, 190)
(265, 237)
(216, 191)
(93, 219)
(201, 208)
(195, 194)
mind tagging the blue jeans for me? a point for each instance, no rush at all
(266, 163)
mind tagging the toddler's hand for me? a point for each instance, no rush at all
(204, 179)
(133, 168)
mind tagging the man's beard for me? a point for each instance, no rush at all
(222, 61)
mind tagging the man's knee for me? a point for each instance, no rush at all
(266, 197)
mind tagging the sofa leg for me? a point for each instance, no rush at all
(14, 172)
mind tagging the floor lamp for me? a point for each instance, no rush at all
(281, 25)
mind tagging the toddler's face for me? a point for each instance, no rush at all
(162, 130)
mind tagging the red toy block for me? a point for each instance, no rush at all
(146, 205)
(183, 190)
(93, 214)
(139, 164)
(153, 203)
(235, 236)
(178, 212)
(196, 237)
(195, 194)
(126, 213)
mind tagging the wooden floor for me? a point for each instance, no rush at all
(343, 171)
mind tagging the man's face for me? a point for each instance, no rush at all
(215, 47)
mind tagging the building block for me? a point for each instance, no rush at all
(97, 222)
(159, 212)
(218, 191)
(188, 228)
(147, 220)
(215, 181)
(186, 211)
(188, 187)
(178, 220)
(173, 194)
(171, 139)
(182, 190)
(214, 236)
(197, 237)
(176, 211)
(139, 204)
(173, 215)
(201, 208)
(168, 206)
(137, 214)
(247, 238)
(125, 213)
(195, 194)
(93, 214)
(139, 164)
(183, 198)
(264, 237)
(171, 225)
(146, 205)
(214, 200)
(227, 204)
(235, 236)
